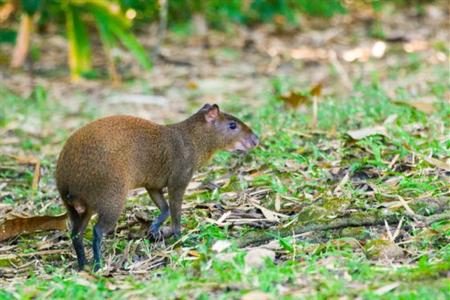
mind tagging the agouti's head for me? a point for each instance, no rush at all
(228, 132)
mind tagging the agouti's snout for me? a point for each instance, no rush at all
(254, 140)
(248, 142)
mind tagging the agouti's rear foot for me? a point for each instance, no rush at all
(160, 234)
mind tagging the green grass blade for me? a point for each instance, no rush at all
(113, 26)
(129, 41)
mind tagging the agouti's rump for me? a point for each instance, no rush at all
(105, 159)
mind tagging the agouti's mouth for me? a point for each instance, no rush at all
(244, 145)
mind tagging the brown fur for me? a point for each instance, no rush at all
(105, 159)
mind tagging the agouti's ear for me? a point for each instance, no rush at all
(212, 114)
(206, 107)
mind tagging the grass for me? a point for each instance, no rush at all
(297, 164)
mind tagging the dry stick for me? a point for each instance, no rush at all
(445, 216)
(163, 7)
(345, 79)
(23, 41)
(337, 224)
(112, 69)
(162, 30)
(315, 111)
(36, 175)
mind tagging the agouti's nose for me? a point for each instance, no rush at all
(254, 139)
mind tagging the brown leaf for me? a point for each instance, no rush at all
(36, 176)
(433, 161)
(256, 257)
(386, 288)
(192, 85)
(25, 160)
(437, 163)
(221, 245)
(194, 253)
(294, 99)
(426, 106)
(19, 225)
(256, 295)
(365, 132)
(316, 90)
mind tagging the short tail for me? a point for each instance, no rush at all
(26, 225)
(73, 202)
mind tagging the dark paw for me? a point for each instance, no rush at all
(96, 267)
(161, 234)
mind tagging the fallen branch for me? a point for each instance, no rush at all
(171, 61)
(445, 216)
(255, 239)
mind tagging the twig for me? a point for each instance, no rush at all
(175, 62)
(38, 253)
(163, 8)
(445, 216)
(397, 231)
(407, 208)
(388, 230)
(315, 112)
(345, 79)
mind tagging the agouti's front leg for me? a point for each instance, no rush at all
(160, 202)
(175, 201)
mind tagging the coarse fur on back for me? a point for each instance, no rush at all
(105, 159)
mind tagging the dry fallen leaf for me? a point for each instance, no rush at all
(256, 257)
(194, 253)
(437, 163)
(296, 99)
(387, 288)
(365, 132)
(431, 160)
(22, 159)
(316, 90)
(293, 99)
(424, 105)
(192, 85)
(256, 295)
(19, 225)
(226, 257)
(221, 245)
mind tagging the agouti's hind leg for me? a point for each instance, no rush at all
(158, 199)
(79, 223)
(175, 201)
(105, 224)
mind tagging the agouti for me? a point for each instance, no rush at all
(105, 159)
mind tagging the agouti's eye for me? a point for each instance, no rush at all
(232, 125)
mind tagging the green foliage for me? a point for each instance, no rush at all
(79, 45)
(7, 36)
(31, 6)
(112, 27)
(218, 13)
